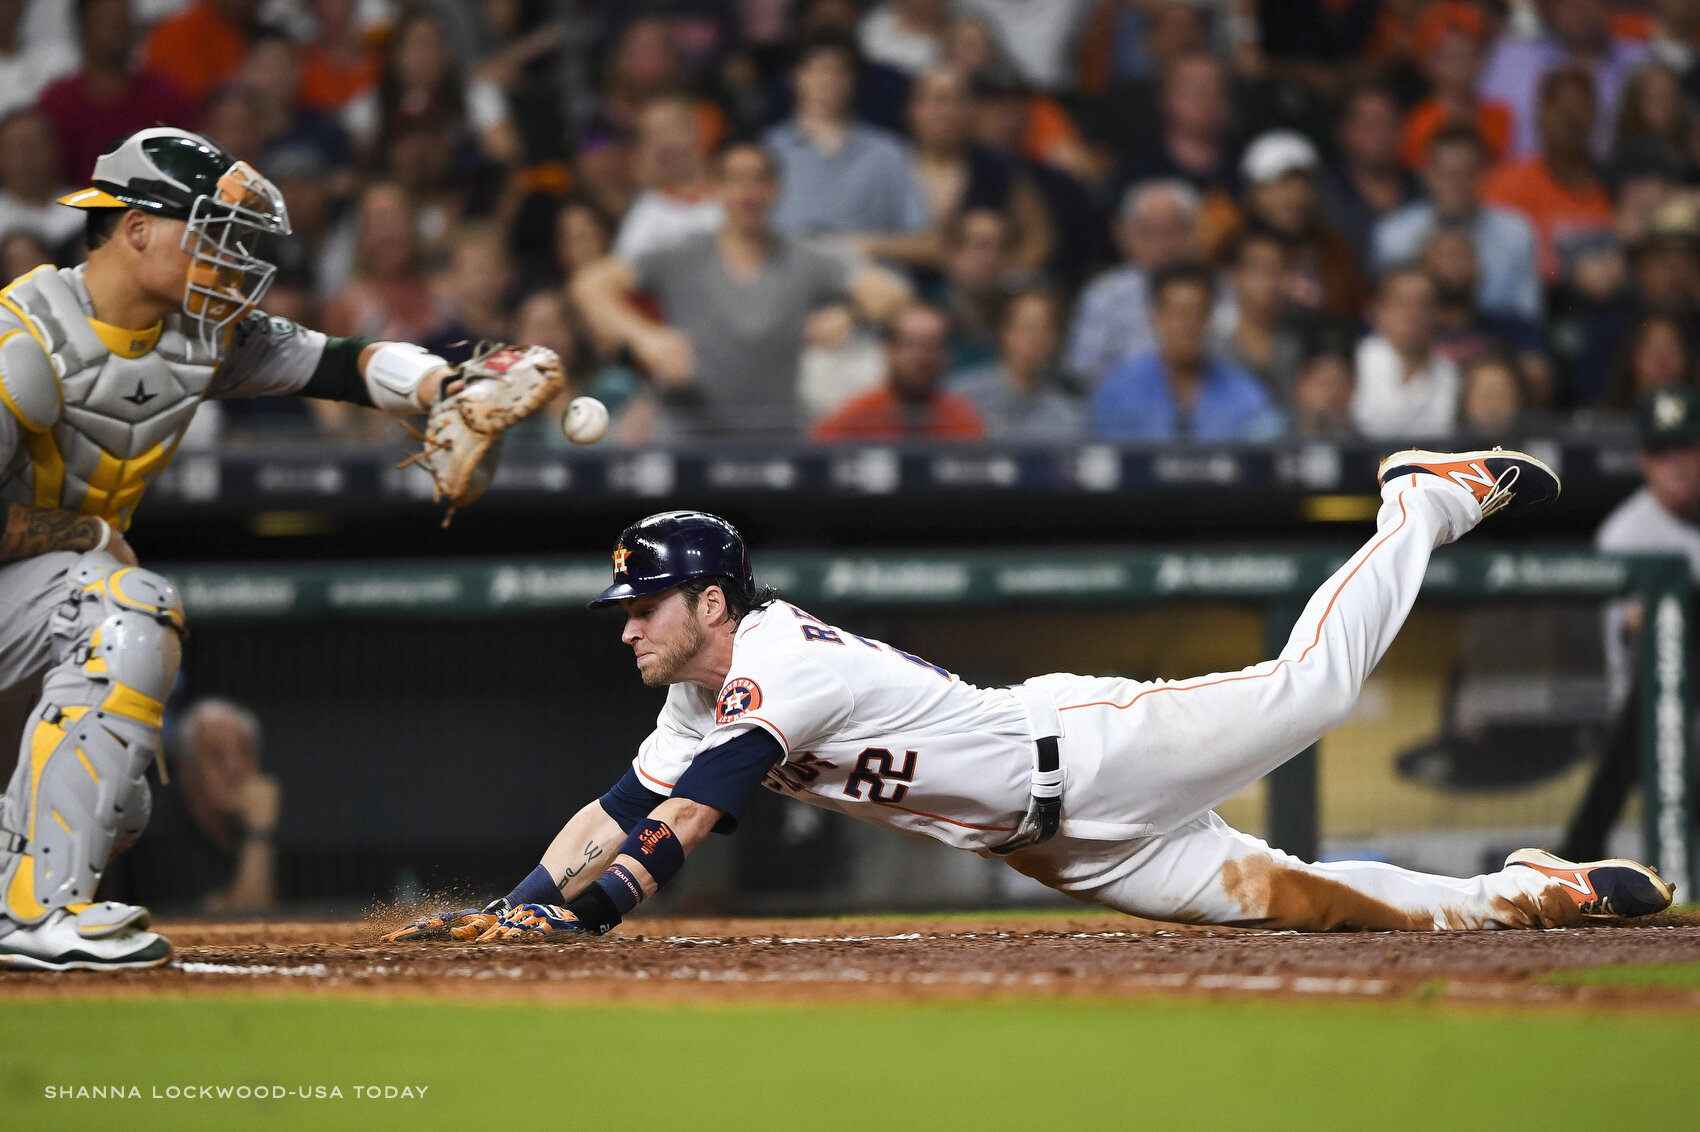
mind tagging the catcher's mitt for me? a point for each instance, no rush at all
(462, 437)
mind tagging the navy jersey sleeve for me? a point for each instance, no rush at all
(630, 801)
(727, 775)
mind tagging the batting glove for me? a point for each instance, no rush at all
(466, 924)
(541, 919)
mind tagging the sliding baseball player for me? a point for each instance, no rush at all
(1103, 788)
(101, 369)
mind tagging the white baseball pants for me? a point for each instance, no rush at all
(1176, 749)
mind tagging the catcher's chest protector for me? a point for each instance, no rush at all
(102, 409)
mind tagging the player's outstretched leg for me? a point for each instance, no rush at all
(1176, 749)
(78, 797)
(1207, 872)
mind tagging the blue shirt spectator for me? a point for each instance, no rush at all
(837, 175)
(1136, 402)
(1178, 391)
(865, 185)
(1510, 279)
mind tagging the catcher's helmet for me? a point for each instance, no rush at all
(659, 552)
(181, 175)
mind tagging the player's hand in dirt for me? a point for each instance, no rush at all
(535, 919)
(465, 924)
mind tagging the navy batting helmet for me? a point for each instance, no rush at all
(659, 552)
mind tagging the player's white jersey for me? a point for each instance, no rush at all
(867, 729)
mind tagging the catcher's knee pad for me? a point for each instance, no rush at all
(79, 796)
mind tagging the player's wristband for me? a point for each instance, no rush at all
(653, 845)
(394, 374)
(105, 535)
(596, 909)
(537, 888)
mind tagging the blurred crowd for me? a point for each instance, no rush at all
(1141, 220)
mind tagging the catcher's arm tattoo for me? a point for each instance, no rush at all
(29, 531)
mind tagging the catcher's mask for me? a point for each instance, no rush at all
(224, 204)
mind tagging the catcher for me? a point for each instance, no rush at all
(101, 369)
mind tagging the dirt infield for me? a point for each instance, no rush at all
(731, 960)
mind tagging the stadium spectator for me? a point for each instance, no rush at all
(1592, 309)
(106, 100)
(1191, 139)
(230, 117)
(389, 297)
(957, 175)
(736, 303)
(911, 404)
(272, 72)
(209, 842)
(1463, 332)
(1040, 37)
(1578, 39)
(582, 236)
(1039, 128)
(677, 199)
(1658, 355)
(1179, 390)
(474, 294)
(1504, 239)
(1666, 262)
(1368, 182)
(29, 181)
(421, 85)
(27, 67)
(1405, 390)
(1655, 115)
(977, 277)
(1492, 399)
(1321, 401)
(339, 64)
(201, 47)
(839, 176)
(1020, 397)
(1449, 44)
(905, 34)
(1259, 336)
(1558, 188)
(1643, 179)
(1279, 170)
(21, 250)
(1157, 225)
(1659, 518)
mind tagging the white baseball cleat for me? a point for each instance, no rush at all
(96, 937)
(1496, 477)
(1614, 889)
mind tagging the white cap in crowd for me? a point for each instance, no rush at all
(1275, 154)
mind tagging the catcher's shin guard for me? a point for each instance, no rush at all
(78, 797)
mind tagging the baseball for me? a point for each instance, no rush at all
(585, 420)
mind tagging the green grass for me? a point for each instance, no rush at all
(1156, 1062)
(1678, 975)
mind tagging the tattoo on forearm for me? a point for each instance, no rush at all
(29, 531)
(591, 851)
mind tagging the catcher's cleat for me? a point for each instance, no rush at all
(100, 937)
(1604, 890)
(1497, 478)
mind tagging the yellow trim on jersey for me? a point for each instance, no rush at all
(47, 469)
(131, 704)
(126, 343)
(116, 486)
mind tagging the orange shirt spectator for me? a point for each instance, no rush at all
(1555, 208)
(329, 83)
(879, 415)
(200, 47)
(1492, 124)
